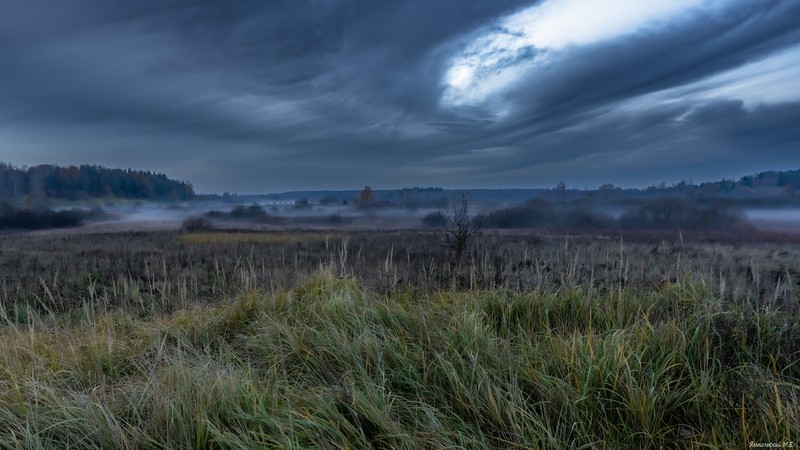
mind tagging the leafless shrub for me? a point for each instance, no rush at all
(197, 223)
(459, 228)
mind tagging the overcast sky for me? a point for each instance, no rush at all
(275, 95)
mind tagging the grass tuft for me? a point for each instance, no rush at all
(333, 364)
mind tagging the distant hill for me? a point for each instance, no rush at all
(86, 182)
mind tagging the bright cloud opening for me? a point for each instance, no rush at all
(774, 79)
(526, 39)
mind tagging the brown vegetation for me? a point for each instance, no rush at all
(375, 340)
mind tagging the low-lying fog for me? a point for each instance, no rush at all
(287, 214)
(284, 213)
(774, 218)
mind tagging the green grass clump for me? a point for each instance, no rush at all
(332, 364)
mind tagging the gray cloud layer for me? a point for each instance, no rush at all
(287, 94)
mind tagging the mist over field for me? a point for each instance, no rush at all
(361, 224)
(787, 218)
(285, 214)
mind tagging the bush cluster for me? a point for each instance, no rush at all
(37, 219)
(672, 213)
(658, 214)
(253, 212)
(542, 213)
(197, 223)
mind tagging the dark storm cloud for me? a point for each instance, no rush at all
(289, 94)
(764, 129)
(559, 114)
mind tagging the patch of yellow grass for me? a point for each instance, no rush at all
(266, 238)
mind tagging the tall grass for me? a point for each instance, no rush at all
(333, 363)
(155, 273)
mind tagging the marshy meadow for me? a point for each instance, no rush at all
(382, 339)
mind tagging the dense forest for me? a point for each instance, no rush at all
(85, 182)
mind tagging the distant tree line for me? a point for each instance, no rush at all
(785, 182)
(773, 179)
(86, 181)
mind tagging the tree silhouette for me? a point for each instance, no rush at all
(561, 191)
(367, 197)
(460, 228)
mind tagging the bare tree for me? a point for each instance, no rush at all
(460, 228)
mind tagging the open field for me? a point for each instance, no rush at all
(379, 339)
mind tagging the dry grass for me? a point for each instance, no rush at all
(376, 340)
(260, 238)
(329, 364)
